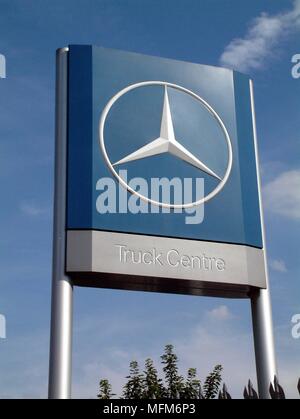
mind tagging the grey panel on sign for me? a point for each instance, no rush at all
(201, 264)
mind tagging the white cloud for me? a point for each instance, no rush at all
(220, 313)
(262, 37)
(282, 195)
(32, 209)
(278, 265)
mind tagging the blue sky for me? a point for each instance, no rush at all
(113, 327)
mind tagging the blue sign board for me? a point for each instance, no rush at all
(135, 116)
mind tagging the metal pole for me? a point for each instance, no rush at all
(261, 305)
(62, 290)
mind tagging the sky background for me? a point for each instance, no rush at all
(113, 327)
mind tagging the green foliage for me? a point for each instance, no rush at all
(134, 388)
(192, 385)
(105, 391)
(148, 385)
(213, 382)
(276, 391)
(223, 393)
(249, 392)
(153, 386)
(174, 381)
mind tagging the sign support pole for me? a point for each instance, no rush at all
(62, 289)
(261, 304)
(263, 341)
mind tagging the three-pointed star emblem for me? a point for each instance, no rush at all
(167, 143)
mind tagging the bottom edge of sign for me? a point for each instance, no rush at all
(127, 261)
(160, 285)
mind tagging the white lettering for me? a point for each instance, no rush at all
(106, 201)
(172, 258)
(296, 67)
(296, 328)
(163, 190)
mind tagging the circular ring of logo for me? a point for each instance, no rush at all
(127, 89)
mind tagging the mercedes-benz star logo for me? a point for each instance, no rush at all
(166, 143)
